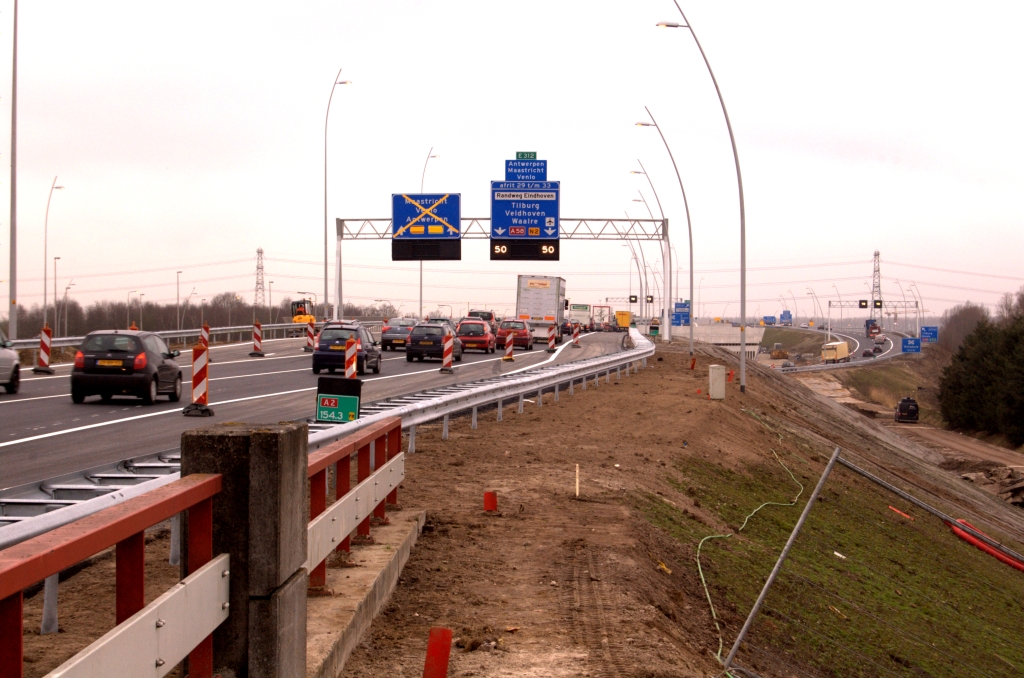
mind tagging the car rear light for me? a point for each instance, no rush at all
(385, 329)
(79, 360)
(359, 344)
(140, 361)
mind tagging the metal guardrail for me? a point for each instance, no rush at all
(29, 510)
(60, 342)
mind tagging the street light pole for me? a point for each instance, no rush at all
(840, 307)
(12, 318)
(644, 310)
(739, 186)
(423, 176)
(65, 305)
(270, 303)
(326, 118)
(56, 318)
(46, 259)
(128, 307)
(142, 294)
(177, 298)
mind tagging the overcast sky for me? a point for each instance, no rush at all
(187, 135)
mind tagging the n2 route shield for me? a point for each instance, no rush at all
(525, 209)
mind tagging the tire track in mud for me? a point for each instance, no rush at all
(588, 604)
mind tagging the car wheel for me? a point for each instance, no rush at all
(408, 357)
(330, 370)
(316, 369)
(458, 357)
(376, 368)
(360, 368)
(106, 397)
(15, 382)
(175, 395)
(149, 397)
(77, 397)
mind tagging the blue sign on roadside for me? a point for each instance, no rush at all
(680, 320)
(525, 209)
(682, 306)
(930, 334)
(911, 345)
(426, 215)
(769, 320)
(526, 170)
(786, 318)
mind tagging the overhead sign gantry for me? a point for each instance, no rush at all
(525, 211)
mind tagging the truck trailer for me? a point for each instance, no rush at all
(540, 300)
(835, 352)
(581, 314)
(623, 319)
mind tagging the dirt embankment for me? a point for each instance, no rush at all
(605, 585)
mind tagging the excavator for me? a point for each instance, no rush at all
(302, 311)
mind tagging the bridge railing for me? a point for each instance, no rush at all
(157, 636)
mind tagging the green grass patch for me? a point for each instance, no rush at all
(907, 598)
(886, 383)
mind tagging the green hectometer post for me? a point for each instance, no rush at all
(336, 408)
(526, 155)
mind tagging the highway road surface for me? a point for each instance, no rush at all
(44, 434)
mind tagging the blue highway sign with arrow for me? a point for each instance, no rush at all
(911, 345)
(930, 334)
(525, 209)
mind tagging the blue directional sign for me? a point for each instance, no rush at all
(786, 318)
(426, 216)
(769, 320)
(930, 334)
(524, 210)
(681, 319)
(682, 306)
(526, 170)
(911, 345)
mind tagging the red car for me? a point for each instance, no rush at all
(477, 336)
(522, 334)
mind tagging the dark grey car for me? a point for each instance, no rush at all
(125, 362)
(395, 333)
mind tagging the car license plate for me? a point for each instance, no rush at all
(399, 341)
(338, 347)
(426, 343)
(109, 363)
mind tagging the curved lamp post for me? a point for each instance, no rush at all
(430, 154)
(46, 258)
(840, 307)
(640, 247)
(128, 312)
(326, 118)
(743, 217)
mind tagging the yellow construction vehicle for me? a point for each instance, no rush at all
(302, 311)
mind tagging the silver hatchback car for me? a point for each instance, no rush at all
(10, 373)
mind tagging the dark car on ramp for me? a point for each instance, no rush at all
(329, 352)
(907, 410)
(427, 341)
(125, 362)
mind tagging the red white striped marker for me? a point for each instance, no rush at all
(508, 347)
(200, 384)
(204, 336)
(310, 334)
(551, 338)
(446, 357)
(257, 340)
(576, 336)
(350, 358)
(45, 341)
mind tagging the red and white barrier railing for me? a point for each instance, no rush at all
(575, 336)
(551, 338)
(351, 359)
(310, 336)
(179, 623)
(509, 342)
(330, 528)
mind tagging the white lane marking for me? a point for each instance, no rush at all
(552, 357)
(25, 400)
(237, 400)
(188, 366)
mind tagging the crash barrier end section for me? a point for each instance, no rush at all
(122, 526)
(439, 649)
(260, 522)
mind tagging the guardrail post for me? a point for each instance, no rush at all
(342, 486)
(50, 590)
(571, 382)
(380, 451)
(175, 556)
(444, 428)
(501, 401)
(412, 439)
(260, 521)
(11, 630)
(129, 574)
(618, 373)
(520, 403)
(556, 393)
(608, 376)
(473, 425)
(363, 472)
(584, 382)
(394, 449)
(317, 505)
(540, 397)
